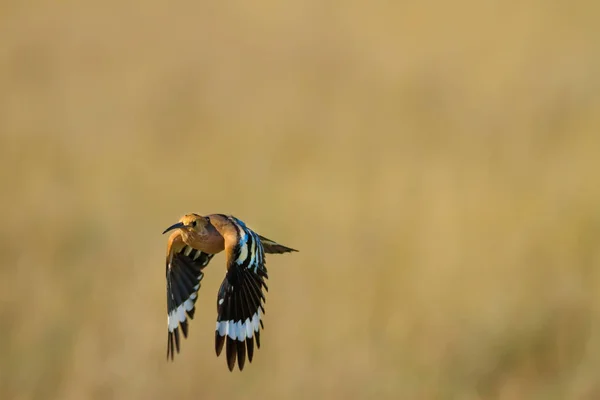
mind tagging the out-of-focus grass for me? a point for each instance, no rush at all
(435, 163)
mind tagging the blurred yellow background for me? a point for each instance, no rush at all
(436, 164)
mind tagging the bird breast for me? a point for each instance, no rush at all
(209, 242)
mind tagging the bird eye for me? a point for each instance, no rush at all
(193, 223)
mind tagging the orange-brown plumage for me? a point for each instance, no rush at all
(191, 246)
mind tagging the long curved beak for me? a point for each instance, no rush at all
(174, 226)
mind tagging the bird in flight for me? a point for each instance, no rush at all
(194, 240)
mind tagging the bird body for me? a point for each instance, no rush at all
(240, 302)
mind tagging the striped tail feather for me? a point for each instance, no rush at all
(184, 274)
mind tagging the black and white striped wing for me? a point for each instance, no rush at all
(240, 303)
(184, 274)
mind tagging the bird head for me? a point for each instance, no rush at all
(190, 223)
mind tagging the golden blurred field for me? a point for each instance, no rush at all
(436, 164)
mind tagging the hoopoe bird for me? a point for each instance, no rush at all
(240, 301)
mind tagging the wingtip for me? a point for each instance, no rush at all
(241, 354)
(170, 347)
(219, 342)
(250, 348)
(231, 353)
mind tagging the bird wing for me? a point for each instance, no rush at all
(184, 274)
(240, 299)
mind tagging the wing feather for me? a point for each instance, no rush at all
(183, 274)
(240, 303)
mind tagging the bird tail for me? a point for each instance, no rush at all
(240, 309)
(273, 247)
